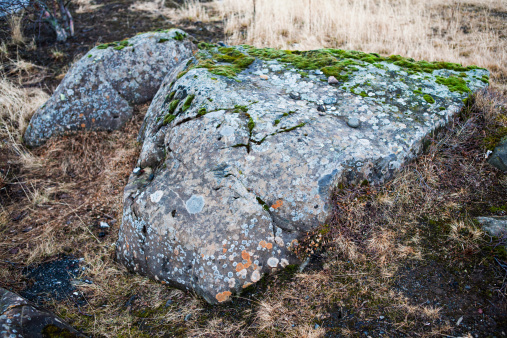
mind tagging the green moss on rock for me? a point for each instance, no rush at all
(187, 103)
(428, 98)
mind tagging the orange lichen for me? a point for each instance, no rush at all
(81, 115)
(224, 250)
(269, 246)
(277, 204)
(263, 244)
(83, 125)
(247, 285)
(222, 297)
(239, 267)
(245, 255)
(93, 120)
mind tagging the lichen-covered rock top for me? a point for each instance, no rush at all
(20, 318)
(98, 91)
(242, 147)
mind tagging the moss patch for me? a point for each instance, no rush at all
(428, 98)
(187, 103)
(118, 45)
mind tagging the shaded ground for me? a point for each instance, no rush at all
(402, 260)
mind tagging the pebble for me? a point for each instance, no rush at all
(168, 303)
(332, 80)
(264, 77)
(137, 171)
(353, 122)
(104, 225)
(295, 96)
(187, 317)
(321, 108)
(381, 317)
(317, 326)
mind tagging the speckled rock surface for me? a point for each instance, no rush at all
(20, 318)
(494, 225)
(237, 160)
(99, 90)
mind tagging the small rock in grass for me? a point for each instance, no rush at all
(353, 122)
(332, 80)
(104, 225)
(499, 156)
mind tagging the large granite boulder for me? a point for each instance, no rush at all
(20, 318)
(99, 90)
(242, 148)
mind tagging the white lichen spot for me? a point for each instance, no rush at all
(273, 262)
(279, 241)
(232, 282)
(284, 262)
(156, 196)
(195, 204)
(256, 276)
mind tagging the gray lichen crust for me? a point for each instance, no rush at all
(99, 90)
(240, 153)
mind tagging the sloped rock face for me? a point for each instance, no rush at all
(242, 148)
(20, 318)
(99, 90)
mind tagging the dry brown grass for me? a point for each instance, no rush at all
(16, 29)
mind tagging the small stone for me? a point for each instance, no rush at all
(381, 317)
(137, 171)
(103, 225)
(316, 326)
(498, 158)
(264, 77)
(295, 96)
(102, 234)
(221, 44)
(353, 122)
(28, 228)
(187, 317)
(321, 108)
(332, 80)
(168, 303)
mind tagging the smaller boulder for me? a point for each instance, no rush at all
(99, 91)
(21, 318)
(498, 158)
